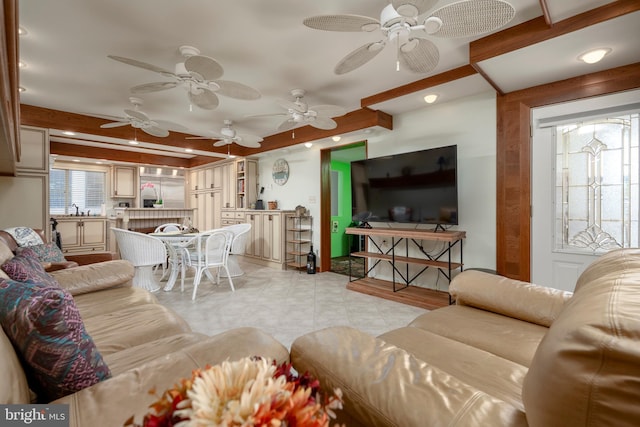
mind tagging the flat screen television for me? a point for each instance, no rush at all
(418, 187)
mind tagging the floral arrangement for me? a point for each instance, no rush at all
(152, 187)
(247, 392)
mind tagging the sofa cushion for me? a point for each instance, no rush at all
(26, 267)
(14, 388)
(484, 330)
(113, 299)
(586, 371)
(513, 298)
(44, 325)
(46, 252)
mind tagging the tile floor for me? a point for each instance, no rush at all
(285, 304)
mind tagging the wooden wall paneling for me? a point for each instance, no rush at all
(9, 101)
(513, 158)
(325, 209)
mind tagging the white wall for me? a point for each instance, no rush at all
(470, 123)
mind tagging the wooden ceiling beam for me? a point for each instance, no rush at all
(353, 121)
(438, 79)
(99, 153)
(54, 119)
(537, 30)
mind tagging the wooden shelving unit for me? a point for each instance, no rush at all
(399, 288)
(299, 232)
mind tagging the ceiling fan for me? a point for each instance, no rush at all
(198, 74)
(401, 25)
(228, 135)
(298, 113)
(140, 120)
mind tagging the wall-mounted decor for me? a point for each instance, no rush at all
(280, 171)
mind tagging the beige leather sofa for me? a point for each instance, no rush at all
(145, 345)
(508, 353)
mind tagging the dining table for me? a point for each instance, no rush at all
(175, 242)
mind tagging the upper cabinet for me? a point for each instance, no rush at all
(35, 150)
(124, 182)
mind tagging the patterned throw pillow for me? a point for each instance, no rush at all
(47, 252)
(45, 326)
(27, 267)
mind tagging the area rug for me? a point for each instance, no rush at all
(340, 265)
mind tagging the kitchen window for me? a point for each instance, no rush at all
(82, 188)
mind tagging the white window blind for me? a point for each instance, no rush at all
(85, 189)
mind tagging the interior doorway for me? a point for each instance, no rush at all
(335, 204)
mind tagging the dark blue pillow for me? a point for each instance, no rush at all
(44, 325)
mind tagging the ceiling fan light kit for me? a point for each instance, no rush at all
(401, 24)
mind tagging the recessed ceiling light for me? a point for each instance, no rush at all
(76, 160)
(431, 98)
(22, 31)
(98, 163)
(68, 132)
(595, 55)
(132, 142)
(189, 150)
(22, 64)
(309, 144)
(337, 138)
(21, 89)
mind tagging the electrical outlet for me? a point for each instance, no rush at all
(334, 226)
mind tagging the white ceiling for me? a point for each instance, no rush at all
(263, 44)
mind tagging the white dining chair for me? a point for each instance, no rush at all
(207, 250)
(238, 245)
(167, 228)
(144, 252)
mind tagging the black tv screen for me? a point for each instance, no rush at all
(417, 187)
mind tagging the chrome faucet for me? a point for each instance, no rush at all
(77, 209)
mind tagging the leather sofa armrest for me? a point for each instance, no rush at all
(95, 277)
(384, 385)
(84, 259)
(521, 300)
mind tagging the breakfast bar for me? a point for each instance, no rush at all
(145, 220)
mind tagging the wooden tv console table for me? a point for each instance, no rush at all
(413, 295)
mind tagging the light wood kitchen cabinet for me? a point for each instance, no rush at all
(266, 240)
(207, 215)
(82, 235)
(228, 174)
(34, 152)
(124, 182)
(29, 185)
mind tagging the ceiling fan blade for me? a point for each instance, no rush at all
(471, 18)
(298, 106)
(359, 57)
(206, 67)
(141, 64)
(237, 90)
(412, 8)
(153, 87)
(329, 110)
(206, 100)
(324, 123)
(286, 125)
(267, 115)
(137, 115)
(155, 131)
(171, 125)
(249, 141)
(222, 142)
(342, 23)
(422, 58)
(114, 125)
